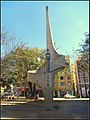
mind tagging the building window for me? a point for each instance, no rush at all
(61, 77)
(87, 80)
(62, 83)
(68, 78)
(61, 93)
(56, 93)
(82, 85)
(69, 92)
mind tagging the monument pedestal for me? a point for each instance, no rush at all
(48, 98)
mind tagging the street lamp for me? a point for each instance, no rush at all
(48, 83)
(48, 60)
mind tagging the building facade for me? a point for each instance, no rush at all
(80, 77)
(63, 82)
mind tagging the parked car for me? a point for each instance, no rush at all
(69, 96)
(5, 94)
(11, 96)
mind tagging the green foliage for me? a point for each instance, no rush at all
(22, 59)
(84, 54)
(84, 47)
(17, 61)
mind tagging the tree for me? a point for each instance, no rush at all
(8, 41)
(84, 47)
(22, 59)
(17, 58)
(84, 54)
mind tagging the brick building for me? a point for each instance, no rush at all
(80, 77)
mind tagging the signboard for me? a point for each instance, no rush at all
(48, 80)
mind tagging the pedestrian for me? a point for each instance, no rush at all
(30, 94)
(36, 96)
(26, 93)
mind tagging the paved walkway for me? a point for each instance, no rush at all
(24, 100)
(29, 109)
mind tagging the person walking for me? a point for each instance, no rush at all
(36, 96)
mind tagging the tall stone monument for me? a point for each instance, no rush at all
(45, 75)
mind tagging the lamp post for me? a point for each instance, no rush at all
(48, 60)
(48, 99)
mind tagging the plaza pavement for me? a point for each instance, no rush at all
(22, 108)
(24, 100)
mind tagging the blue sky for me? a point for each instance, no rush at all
(27, 21)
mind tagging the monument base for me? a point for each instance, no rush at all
(48, 95)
